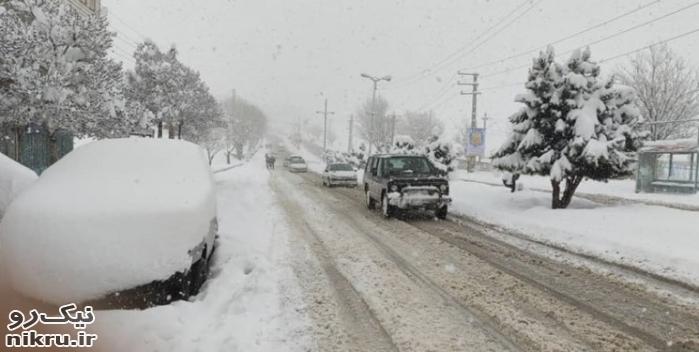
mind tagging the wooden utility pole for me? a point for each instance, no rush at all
(351, 127)
(474, 112)
(325, 113)
(393, 127)
(485, 121)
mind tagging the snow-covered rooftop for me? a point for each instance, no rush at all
(688, 145)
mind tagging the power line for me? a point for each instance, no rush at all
(583, 31)
(457, 54)
(111, 13)
(696, 30)
(605, 38)
(649, 46)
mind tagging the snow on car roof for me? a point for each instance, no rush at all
(111, 215)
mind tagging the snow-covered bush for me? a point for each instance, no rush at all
(574, 125)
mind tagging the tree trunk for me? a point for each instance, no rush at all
(160, 129)
(562, 202)
(571, 186)
(555, 195)
(228, 157)
(179, 129)
(239, 151)
(171, 131)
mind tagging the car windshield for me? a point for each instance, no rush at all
(296, 160)
(407, 165)
(340, 167)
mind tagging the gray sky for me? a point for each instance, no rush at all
(287, 55)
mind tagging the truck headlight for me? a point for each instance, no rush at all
(443, 188)
(394, 188)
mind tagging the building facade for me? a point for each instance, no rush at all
(87, 7)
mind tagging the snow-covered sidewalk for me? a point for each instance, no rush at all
(251, 302)
(656, 239)
(614, 190)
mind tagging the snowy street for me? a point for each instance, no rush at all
(302, 267)
(349, 176)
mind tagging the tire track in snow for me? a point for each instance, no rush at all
(652, 321)
(477, 333)
(358, 322)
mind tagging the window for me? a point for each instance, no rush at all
(340, 167)
(407, 165)
(675, 167)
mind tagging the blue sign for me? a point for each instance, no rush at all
(475, 145)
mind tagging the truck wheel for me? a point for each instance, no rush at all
(386, 208)
(441, 213)
(369, 202)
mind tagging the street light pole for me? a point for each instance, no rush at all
(376, 81)
(325, 114)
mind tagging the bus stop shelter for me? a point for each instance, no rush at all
(670, 166)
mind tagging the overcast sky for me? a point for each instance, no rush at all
(287, 55)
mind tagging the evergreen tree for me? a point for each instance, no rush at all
(574, 125)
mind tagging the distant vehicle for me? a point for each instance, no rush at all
(114, 216)
(296, 164)
(397, 182)
(339, 175)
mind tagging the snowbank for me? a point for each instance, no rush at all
(653, 238)
(111, 215)
(14, 178)
(252, 301)
(614, 188)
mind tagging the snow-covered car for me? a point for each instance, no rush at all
(112, 216)
(405, 182)
(14, 179)
(339, 175)
(297, 164)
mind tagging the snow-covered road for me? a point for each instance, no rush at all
(447, 286)
(301, 267)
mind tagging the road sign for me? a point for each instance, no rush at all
(475, 145)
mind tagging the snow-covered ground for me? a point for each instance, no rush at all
(251, 302)
(653, 238)
(625, 189)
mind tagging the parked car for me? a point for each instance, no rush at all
(339, 175)
(297, 164)
(110, 217)
(398, 182)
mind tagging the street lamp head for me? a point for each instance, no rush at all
(365, 75)
(387, 78)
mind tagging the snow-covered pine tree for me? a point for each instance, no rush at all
(574, 126)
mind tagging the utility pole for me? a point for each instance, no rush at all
(376, 81)
(393, 128)
(485, 121)
(474, 93)
(325, 113)
(351, 127)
